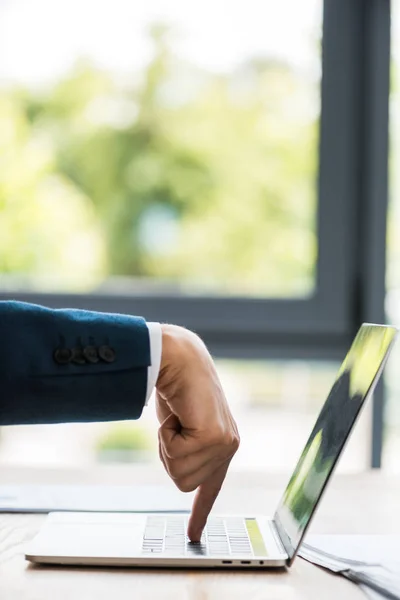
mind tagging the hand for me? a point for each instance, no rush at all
(198, 436)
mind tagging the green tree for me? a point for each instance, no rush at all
(181, 174)
(48, 227)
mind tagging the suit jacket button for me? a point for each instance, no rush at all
(90, 353)
(77, 356)
(107, 354)
(62, 356)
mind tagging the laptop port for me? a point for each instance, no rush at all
(226, 562)
(245, 562)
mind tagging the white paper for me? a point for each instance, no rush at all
(368, 559)
(372, 595)
(376, 549)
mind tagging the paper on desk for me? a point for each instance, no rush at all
(96, 498)
(368, 559)
(372, 595)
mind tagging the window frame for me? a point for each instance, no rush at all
(351, 221)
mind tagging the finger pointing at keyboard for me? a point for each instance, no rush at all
(198, 435)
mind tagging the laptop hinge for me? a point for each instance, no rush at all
(277, 538)
(283, 538)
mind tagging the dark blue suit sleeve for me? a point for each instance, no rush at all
(70, 365)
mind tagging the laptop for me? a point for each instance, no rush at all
(244, 541)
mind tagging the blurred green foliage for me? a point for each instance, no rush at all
(124, 437)
(178, 174)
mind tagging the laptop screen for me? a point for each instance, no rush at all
(355, 381)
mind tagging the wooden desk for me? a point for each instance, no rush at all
(365, 503)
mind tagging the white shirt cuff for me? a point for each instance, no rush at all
(155, 357)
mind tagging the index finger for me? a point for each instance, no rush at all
(203, 502)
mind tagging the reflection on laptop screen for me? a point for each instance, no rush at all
(354, 381)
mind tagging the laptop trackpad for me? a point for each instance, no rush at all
(92, 535)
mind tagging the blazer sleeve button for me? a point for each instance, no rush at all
(107, 354)
(77, 356)
(62, 356)
(91, 355)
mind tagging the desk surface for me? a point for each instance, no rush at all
(364, 503)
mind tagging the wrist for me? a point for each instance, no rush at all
(172, 350)
(178, 345)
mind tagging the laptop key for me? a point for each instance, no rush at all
(154, 534)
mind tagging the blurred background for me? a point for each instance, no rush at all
(167, 159)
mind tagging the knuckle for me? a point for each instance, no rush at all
(216, 435)
(168, 449)
(231, 444)
(171, 452)
(185, 486)
(173, 470)
(231, 440)
(160, 454)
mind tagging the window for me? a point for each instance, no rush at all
(217, 165)
(170, 147)
(392, 416)
(181, 169)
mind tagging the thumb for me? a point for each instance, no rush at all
(170, 435)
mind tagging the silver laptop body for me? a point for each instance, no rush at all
(159, 540)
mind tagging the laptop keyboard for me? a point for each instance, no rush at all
(221, 537)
